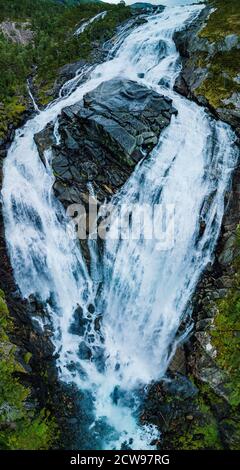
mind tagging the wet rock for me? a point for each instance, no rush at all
(178, 362)
(181, 386)
(99, 358)
(65, 73)
(44, 140)
(103, 137)
(79, 324)
(207, 371)
(228, 253)
(84, 351)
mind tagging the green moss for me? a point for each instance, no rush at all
(222, 67)
(200, 438)
(11, 112)
(44, 97)
(226, 340)
(229, 423)
(223, 21)
(19, 427)
(34, 434)
(225, 334)
(202, 431)
(27, 357)
(220, 83)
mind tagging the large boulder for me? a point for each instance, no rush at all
(103, 137)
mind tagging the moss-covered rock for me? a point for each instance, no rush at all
(22, 425)
(226, 340)
(210, 50)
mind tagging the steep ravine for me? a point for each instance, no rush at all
(205, 425)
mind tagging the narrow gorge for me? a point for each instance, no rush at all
(123, 331)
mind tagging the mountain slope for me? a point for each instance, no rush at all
(53, 45)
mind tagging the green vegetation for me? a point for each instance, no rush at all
(221, 82)
(201, 431)
(226, 334)
(223, 21)
(20, 427)
(225, 337)
(53, 46)
(203, 437)
(212, 425)
(223, 65)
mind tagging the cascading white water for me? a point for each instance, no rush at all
(36, 108)
(144, 291)
(84, 25)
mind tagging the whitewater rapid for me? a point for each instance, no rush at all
(145, 291)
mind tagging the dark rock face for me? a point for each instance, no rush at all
(189, 44)
(103, 137)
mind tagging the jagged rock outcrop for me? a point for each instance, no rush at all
(17, 32)
(103, 137)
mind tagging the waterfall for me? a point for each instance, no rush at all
(145, 290)
(36, 108)
(85, 24)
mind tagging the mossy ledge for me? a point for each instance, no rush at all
(222, 30)
(210, 51)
